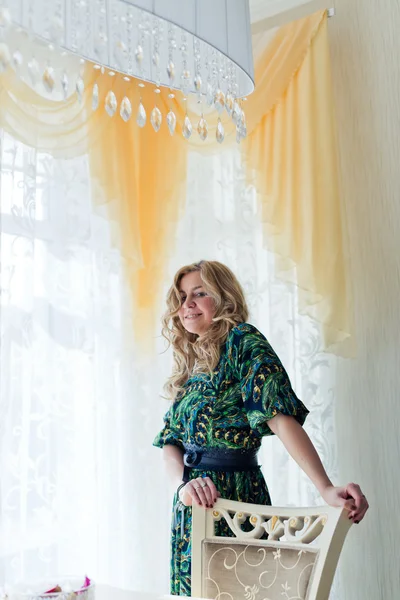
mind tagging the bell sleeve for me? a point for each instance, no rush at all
(170, 433)
(265, 385)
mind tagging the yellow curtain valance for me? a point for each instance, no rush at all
(139, 176)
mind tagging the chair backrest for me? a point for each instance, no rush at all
(298, 559)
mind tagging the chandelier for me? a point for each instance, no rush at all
(200, 49)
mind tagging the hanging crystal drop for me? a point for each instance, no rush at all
(156, 59)
(171, 71)
(219, 101)
(95, 97)
(18, 60)
(238, 134)
(65, 85)
(156, 118)
(210, 94)
(125, 109)
(171, 122)
(187, 128)
(229, 104)
(236, 113)
(141, 116)
(121, 48)
(139, 55)
(220, 133)
(48, 79)
(4, 57)
(185, 81)
(202, 129)
(33, 68)
(80, 88)
(111, 103)
(243, 128)
(197, 83)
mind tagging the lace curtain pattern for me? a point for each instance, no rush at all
(82, 489)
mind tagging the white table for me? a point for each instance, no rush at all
(105, 592)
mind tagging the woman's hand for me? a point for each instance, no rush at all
(349, 497)
(201, 491)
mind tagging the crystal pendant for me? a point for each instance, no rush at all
(65, 85)
(5, 57)
(219, 101)
(121, 48)
(171, 122)
(229, 104)
(220, 133)
(48, 79)
(238, 134)
(95, 97)
(187, 128)
(171, 71)
(236, 113)
(185, 81)
(125, 109)
(18, 60)
(155, 59)
(210, 94)
(141, 116)
(139, 55)
(243, 129)
(197, 83)
(202, 129)
(111, 103)
(80, 88)
(33, 68)
(156, 118)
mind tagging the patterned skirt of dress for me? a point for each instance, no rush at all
(243, 486)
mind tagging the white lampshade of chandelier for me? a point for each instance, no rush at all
(207, 42)
(224, 25)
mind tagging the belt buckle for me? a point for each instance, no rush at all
(192, 458)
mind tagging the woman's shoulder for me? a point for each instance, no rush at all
(243, 336)
(244, 330)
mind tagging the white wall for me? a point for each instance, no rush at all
(365, 45)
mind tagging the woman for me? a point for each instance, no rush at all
(229, 389)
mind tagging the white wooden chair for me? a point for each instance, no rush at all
(297, 561)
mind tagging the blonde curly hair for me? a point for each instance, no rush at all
(191, 353)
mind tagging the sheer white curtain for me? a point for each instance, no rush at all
(72, 414)
(81, 487)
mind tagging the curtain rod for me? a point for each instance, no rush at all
(291, 15)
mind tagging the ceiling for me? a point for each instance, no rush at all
(267, 13)
(262, 9)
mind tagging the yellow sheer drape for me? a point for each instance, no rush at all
(291, 156)
(146, 172)
(139, 176)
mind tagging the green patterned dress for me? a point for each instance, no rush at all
(229, 410)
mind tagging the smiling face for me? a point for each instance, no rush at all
(197, 308)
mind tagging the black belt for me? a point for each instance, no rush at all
(218, 459)
(213, 459)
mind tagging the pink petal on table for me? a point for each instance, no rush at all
(54, 590)
(85, 585)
